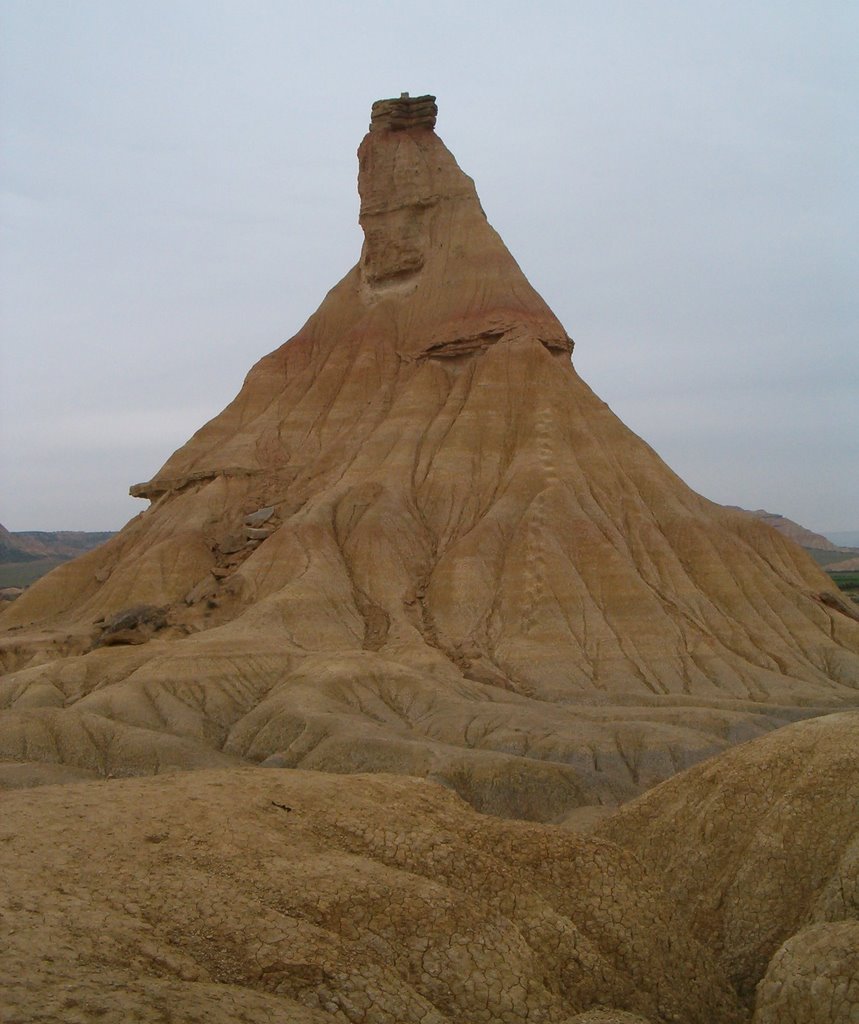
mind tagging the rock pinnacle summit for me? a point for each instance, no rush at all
(405, 112)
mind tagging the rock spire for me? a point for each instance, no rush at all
(405, 112)
(416, 541)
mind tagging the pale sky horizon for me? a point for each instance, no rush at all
(679, 182)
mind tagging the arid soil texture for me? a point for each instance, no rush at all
(728, 894)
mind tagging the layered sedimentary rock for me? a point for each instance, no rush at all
(417, 542)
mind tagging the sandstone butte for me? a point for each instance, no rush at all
(417, 546)
(417, 542)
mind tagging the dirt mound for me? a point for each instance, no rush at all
(246, 895)
(758, 844)
(813, 978)
(728, 894)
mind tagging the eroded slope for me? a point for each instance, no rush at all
(245, 895)
(762, 846)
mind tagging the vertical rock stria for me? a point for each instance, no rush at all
(416, 541)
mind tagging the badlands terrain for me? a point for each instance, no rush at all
(418, 556)
(728, 894)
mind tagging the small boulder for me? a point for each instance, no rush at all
(262, 533)
(133, 625)
(259, 517)
(231, 544)
(204, 589)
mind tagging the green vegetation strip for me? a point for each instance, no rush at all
(847, 583)
(22, 574)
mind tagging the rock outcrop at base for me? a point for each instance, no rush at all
(761, 845)
(417, 542)
(813, 978)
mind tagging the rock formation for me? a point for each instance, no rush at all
(417, 542)
(761, 846)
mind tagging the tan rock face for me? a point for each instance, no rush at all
(471, 569)
(761, 845)
(813, 978)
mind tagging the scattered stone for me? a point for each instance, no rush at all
(205, 588)
(132, 625)
(261, 533)
(259, 517)
(231, 544)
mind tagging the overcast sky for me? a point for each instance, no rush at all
(677, 179)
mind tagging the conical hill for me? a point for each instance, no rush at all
(417, 542)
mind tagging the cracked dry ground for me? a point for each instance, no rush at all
(250, 895)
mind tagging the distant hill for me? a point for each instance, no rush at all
(823, 550)
(11, 549)
(802, 536)
(32, 544)
(29, 555)
(848, 539)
